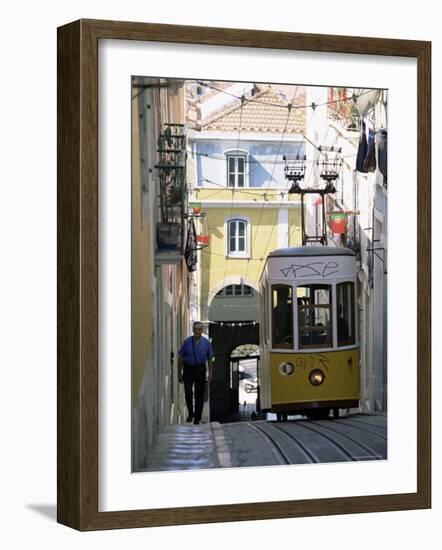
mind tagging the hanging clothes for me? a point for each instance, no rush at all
(381, 140)
(370, 159)
(362, 149)
(190, 252)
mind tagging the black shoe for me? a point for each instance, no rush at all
(195, 422)
(189, 418)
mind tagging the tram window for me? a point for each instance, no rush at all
(236, 290)
(282, 317)
(315, 316)
(346, 314)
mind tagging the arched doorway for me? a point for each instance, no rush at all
(234, 316)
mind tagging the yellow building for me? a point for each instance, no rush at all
(237, 149)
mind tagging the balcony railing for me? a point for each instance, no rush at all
(171, 169)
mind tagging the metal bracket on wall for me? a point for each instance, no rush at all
(374, 251)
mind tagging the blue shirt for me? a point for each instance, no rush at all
(203, 351)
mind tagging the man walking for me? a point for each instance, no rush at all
(193, 356)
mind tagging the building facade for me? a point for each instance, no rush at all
(159, 274)
(237, 146)
(356, 122)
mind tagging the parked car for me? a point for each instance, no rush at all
(251, 386)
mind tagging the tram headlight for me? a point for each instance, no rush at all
(316, 377)
(286, 369)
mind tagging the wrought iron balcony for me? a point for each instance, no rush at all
(171, 169)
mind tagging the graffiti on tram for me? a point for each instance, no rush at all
(312, 269)
(312, 361)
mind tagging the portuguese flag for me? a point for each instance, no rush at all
(338, 222)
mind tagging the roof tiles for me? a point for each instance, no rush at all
(264, 112)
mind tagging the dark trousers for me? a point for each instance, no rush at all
(194, 375)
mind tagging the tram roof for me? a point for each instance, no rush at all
(309, 251)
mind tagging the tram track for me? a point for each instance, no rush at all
(360, 425)
(371, 452)
(354, 439)
(313, 458)
(334, 443)
(366, 420)
(298, 453)
(274, 444)
(308, 455)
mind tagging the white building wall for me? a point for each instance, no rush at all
(363, 193)
(317, 130)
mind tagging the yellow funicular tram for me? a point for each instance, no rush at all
(308, 333)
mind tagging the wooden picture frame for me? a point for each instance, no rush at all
(77, 224)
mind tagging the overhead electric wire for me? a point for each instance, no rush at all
(273, 226)
(274, 166)
(290, 106)
(265, 161)
(233, 188)
(281, 204)
(251, 244)
(313, 106)
(273, 171)
(243, 190)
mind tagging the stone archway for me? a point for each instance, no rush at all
(233, 324)
(230, 280)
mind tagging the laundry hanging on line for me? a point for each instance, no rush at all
(370, 158)
(362, 149)
(367, 158)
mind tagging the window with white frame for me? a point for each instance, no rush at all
(236, 169)
(237, 237)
